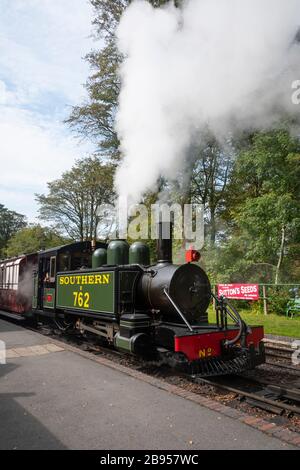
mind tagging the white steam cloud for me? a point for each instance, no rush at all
(223, 64)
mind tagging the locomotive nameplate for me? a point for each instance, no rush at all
(93, 292)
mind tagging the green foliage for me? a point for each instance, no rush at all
(10, 223)
(73, 200)
(32, 239)
(210, 177)
(262, 219)
(278, 298)
(261, 239)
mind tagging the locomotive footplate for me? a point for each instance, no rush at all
(204, 352)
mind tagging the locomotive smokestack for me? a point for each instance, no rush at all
(164, 242)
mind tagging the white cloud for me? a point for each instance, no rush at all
(5, 95)
(42, 43)
(20, 201)
(32, 152)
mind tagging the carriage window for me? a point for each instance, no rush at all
(16, 276)
(4, 277)
(11, 277)
(52, 268)
(7, 276)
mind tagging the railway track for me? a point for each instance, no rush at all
(279, 354)
(283, 365)
(279, 349)
(277, 399)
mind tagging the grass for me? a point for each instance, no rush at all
(273, 324)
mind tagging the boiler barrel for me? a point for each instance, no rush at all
(187, 285)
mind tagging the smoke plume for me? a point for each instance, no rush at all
(225, 65)
(25, 288)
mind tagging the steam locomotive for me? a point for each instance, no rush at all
(156, 312)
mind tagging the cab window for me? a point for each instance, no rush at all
(52, 268)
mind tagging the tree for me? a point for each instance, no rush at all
(10, 223)
(262, 213)
(209, 180)
(74, 200)
(271, 223)
(95, 118)
(32, 239)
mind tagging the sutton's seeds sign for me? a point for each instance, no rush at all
(239, 291)
(87, 291)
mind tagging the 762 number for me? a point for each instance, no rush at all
(81, 300)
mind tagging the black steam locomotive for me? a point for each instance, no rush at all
(158, 312)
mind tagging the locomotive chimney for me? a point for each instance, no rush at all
(164, 242)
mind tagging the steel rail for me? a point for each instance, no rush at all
(284, 366)
(253, 396)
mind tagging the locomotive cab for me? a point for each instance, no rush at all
(71, 257)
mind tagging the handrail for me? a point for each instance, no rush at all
(226, 308)
(178, 310)
(230, 311)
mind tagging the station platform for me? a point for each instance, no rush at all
(53, 398)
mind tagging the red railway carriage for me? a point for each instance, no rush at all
(16, 283)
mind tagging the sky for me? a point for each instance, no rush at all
(42, 72)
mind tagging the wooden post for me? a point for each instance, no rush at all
(265, 300)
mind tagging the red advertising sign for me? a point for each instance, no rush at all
(239, 291)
